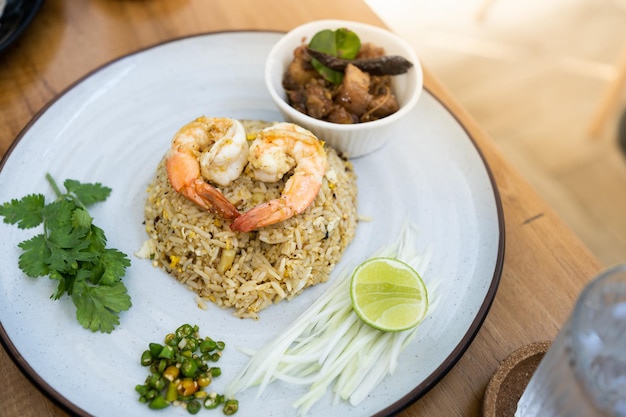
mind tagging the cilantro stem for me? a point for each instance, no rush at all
(54, 186)
(68, 195)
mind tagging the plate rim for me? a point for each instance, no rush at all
(455, 355)
(407, 400)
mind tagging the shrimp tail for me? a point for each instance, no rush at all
(210, 199)
(217, 201)
(265, 214)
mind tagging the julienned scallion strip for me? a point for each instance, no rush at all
(329, 345)
(72, 251)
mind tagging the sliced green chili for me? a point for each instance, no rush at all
(213, 401)
(189, 367)
(172, 393)
(158, 403)
(231, 407)
(171, 340)
(207, 345)
(146, 358)
(155, 349)
(193, 407)
(184, 331)
(167, 352)
(142, 389)
(180, 371)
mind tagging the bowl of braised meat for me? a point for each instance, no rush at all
(347, 82)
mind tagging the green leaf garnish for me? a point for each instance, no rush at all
(97, 307)
(34, 258)
(88, 194)
(72, 251)
(25, 212)
(341, 43)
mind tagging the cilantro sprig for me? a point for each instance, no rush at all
(72, 250)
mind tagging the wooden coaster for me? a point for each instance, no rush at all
(510, 379)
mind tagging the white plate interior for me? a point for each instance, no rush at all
(115, 125)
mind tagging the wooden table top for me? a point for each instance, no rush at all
(545, 264)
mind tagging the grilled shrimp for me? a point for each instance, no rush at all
(276, 150)
(211, 149)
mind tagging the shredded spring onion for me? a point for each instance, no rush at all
(328, 344)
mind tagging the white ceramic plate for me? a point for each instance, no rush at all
(114, 126)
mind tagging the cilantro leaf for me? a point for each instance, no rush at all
(114, 264)
(27, 212)
(68, 260)
(72, 251)
(60, 225)
(97, 239)
(87, 194)
(34, 260)
(65, 284)
(81, 219)
(98, 307)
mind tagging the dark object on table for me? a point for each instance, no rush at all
(508, 383)
(621, 132)
(16, 17)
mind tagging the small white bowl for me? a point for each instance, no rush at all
(358, 139)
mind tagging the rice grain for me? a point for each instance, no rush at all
(274, 263)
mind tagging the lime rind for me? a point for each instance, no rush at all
(388, 294)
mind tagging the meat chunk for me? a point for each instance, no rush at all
(354, 93)
(319, 101)
(381, 106)
(300, 71)
(341, 116)
(361, 97)
(297, 99)
(369, 50)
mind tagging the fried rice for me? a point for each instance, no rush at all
(250, 271)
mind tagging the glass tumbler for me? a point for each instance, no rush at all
(584, 371)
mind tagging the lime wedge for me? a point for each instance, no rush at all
(388, 294)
